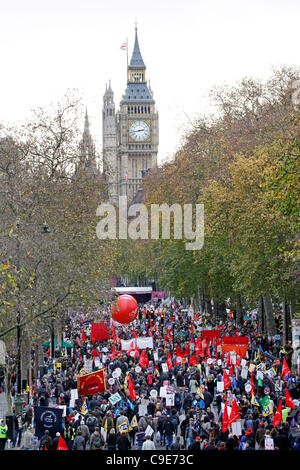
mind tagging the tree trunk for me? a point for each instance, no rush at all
(261, 316)
(208, 308)
(222, 311)
(239, 310)
(286, 322)
(270, 321)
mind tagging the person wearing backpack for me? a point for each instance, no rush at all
(92, 423)
(96, 441)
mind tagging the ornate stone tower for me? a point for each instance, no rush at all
(137, 137)
(109, 138)
(87, 151)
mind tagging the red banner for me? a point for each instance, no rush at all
(90, 384)
(210, 334)
(235, 339)
(240, 350)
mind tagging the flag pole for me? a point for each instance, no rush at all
(127, 57)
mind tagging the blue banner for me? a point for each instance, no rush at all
(47, 419)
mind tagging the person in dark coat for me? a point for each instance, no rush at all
(123, 442)
(55, 441)
(169, 430)
(46, 440)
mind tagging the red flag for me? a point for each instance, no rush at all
(94, 352)
(225, 423)
(192, 327)
(83, 338)
(231, 369)
(99, 331)
(149, 333)
(114, 352)
(234, 414)
(228, 360)
(134, 333)
(131, 388)
(131, 347)
(278, 415)
(238, 362)
(252, 385)
(169, 362)
(285, 370)
(208, 351)
(226, 380)
(61, 444)
(136, 352)
(45, 447)
(113, 330)
(194, 360)
(198, 346)
(288, 401)
(143, 361)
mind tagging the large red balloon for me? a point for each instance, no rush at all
(126, 309)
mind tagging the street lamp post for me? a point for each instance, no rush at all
(18, 401)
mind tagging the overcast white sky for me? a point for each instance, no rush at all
(188, 46)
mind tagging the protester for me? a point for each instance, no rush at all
(175, 388)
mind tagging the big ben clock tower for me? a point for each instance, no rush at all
(136, 132)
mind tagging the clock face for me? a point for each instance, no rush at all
(139, 130)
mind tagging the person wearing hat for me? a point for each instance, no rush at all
(55, 441)
(195, 445)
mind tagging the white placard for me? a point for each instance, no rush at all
(170, 399)
(248, 387)
(243, 362)
(115, 398)
(111, 381)
(74, 396)
(233, 359)
(149, 431)
(269, 443)
(162, 392)
(138, 369)
(220, 386)
(142, 410)
(153, 393)
(244, 372)
(104, 358)
(236, 428)
(164, 368)
(155, 356)
(219, 362)
(259, 374)
(97, 362)
(115, 374)
(118, 372)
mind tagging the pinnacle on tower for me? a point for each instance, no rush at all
(136, 61)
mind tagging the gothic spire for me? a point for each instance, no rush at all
(136, 58)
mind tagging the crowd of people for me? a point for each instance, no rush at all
(194, 418)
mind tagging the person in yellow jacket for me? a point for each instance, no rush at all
(3, 434)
